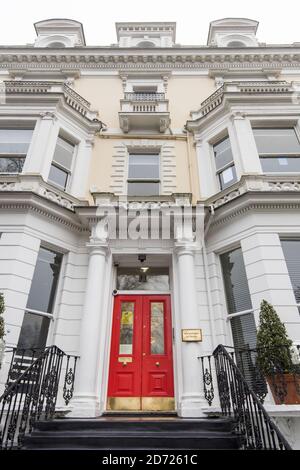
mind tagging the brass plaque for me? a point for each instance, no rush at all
(125, 359)
(191, 336)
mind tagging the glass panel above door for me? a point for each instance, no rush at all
(143, 278)
(126, 328)
(157, 338)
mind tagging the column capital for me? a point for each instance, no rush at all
(184, 247)
(48, 116)
(238, 116)
(99, 247)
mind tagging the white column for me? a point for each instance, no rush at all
(41, 150)
(244, 146)
(86, 402)
(192, 395)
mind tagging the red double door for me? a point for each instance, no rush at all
(141, 364)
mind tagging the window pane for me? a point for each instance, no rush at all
(15, 141)
(223, 153)
(34, 331)
(126, 329)
(280, 164)
(63, 153)
(227, 177)
(244, 337)
(44, 282)
(11, 165)
(235, 282)
(291, 250)
(143, 166)
(276, 141)
(154, 279)
(143, 189)
(157, 328)
(58, 176)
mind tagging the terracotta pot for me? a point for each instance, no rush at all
(285, 389)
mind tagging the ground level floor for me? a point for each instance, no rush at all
(140, 313)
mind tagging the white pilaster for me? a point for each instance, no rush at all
(192, 392)
(244, 146)
(41, 150)
(86, 402)
(82, 168)
(206, 169)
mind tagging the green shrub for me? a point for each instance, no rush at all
(273, 343)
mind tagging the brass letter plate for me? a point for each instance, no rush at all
(125, 359)
(191, 336)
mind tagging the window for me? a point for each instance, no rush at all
(14, 144)
(224, 163)
(291, 250)
(279, 150)
(40, 302)
(239, 307)
(143, 175)
(62, 163)
(144, 278)
(236, 44)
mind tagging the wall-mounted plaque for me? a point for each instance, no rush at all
(191, 336)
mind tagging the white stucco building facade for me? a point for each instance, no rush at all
(148, 133)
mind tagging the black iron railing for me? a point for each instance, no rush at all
(238, 399)
(280, 358)
(31, 392)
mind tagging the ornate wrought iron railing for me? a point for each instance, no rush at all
(238, 399)
(31, 393)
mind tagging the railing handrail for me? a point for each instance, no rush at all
(34, 393)
(31, 366)
(259, 405)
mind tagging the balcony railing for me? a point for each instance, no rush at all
(144, 96)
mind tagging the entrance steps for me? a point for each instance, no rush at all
(132, 432)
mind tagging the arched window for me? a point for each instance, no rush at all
(236, 44)
(146, 44)
(56, 45)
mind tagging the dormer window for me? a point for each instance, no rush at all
(56, 45)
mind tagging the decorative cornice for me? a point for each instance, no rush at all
(36, 184)
(255, 192)
(238, 89)
(162, 58)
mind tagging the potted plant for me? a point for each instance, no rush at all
(275, 357)
(2, 332)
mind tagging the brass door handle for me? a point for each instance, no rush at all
(124, 364)
(157, 364)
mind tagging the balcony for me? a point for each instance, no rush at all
(144, 112)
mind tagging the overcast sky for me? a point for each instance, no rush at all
(279, 22)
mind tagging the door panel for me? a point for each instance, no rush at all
(141, 365)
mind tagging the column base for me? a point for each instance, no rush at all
(85, 406)
(191, 407)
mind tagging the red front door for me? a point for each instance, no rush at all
(141, 365)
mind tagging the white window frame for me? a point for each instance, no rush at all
(12, 126)
(72, 141)
(276, 155)
(218, 140)
(146, 180)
